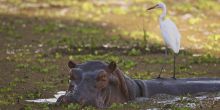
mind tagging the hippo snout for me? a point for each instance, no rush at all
(62, 100)
(66, 99)
(76, 97)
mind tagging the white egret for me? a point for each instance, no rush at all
(170, 35)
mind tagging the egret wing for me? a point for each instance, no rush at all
(170, 34)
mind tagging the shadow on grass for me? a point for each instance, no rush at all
(69, 36)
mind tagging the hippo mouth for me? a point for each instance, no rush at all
(100, 100)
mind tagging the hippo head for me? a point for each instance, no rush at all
(90, 83)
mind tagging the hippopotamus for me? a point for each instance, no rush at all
(100, 84)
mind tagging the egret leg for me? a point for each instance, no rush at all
(162, 68)
(174, 66)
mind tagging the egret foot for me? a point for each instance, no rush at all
(173, 77)
(158, 77)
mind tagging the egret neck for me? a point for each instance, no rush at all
(163, 15)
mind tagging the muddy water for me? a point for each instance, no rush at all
(159, 99)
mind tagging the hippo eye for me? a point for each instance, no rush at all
(101, 80)
(101, 77)
(75, 74)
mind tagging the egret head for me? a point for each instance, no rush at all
(159, 5)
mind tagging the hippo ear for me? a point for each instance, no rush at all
(71, 64)
(112, 67)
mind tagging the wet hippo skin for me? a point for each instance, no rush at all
(100, 84)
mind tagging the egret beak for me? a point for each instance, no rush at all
(152, 7)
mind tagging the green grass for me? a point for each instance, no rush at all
(39, 37)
